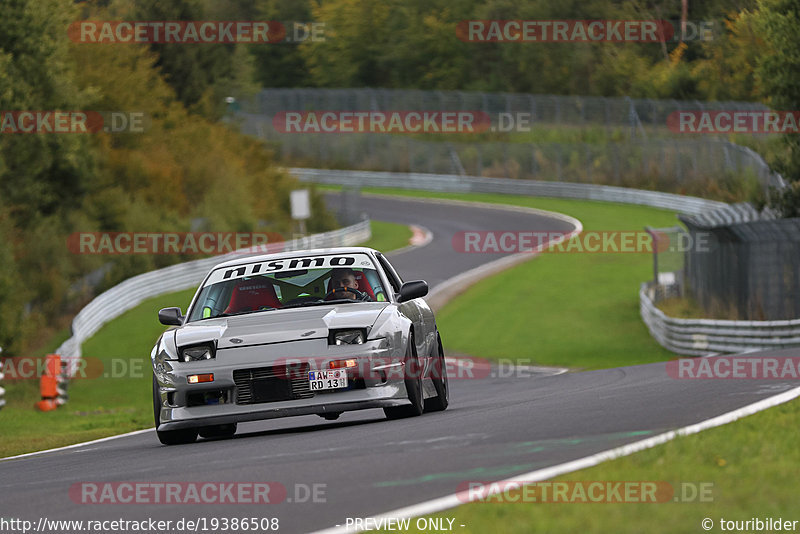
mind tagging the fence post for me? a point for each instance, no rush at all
(653, 236)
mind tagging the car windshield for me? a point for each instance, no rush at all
(288, 283)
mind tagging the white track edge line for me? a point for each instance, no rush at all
(76, 445)
(457, 499)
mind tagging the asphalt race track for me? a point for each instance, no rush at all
(496, 427)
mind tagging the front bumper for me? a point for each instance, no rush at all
(378, 376)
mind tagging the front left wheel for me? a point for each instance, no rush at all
(169, 437)
(413, 381)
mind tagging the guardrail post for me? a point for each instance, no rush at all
(62, 382)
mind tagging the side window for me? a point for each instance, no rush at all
(390, 273)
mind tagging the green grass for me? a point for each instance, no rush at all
(563, 309)
(751, 464)
(388, 236)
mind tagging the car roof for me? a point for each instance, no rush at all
(294, 254)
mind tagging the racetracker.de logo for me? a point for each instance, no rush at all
(734, 121)
(203, 243)
(422, 121)
(179, 31)
(584, 492)
(602, 242)
(564, 31)
(171, 493)
(86, 367)
(381, 369)
(735, 368)
(70, 122)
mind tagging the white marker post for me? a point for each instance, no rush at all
(301, 207)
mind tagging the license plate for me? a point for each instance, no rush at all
(320, 380)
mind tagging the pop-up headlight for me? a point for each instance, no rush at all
(197, 353)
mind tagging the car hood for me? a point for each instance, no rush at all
(279, 326)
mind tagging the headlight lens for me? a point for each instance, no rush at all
(197, 353)
(348, 337)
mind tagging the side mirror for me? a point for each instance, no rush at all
(170, 316)
(413, 290)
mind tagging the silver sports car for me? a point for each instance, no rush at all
(307, 332)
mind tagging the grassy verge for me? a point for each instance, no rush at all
(388, 236)
(747, 467)
(119, 399)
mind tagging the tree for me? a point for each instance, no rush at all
(778, 74)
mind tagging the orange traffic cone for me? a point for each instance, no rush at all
(49, 384)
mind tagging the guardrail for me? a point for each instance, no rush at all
(130, 293)
(701, 337)
(475, 184)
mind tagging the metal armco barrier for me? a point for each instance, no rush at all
(701, 337)
(475, 184)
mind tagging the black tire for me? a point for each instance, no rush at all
(440, 402)
(170, 437)
(413, 383)
(218, 431)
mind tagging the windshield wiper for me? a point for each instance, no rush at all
(240, 313)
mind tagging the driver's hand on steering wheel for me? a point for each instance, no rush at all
(345, 293)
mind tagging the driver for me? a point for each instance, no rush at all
(342, 279)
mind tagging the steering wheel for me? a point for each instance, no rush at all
(359, 295)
